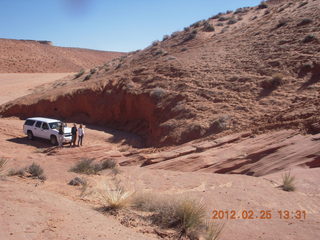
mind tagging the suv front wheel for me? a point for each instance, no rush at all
(53, 140)
(30, 135)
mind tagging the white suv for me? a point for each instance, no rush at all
(45, 128)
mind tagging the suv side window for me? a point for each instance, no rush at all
(45, 126)
(38, 124)
(29, 122)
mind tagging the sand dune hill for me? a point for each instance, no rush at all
(28, 56)
(253, 69)
(219, 112)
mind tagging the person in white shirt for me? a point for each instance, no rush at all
(80, 135)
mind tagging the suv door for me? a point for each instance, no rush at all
(44, 132)
(37, 129)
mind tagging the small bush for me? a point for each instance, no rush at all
(222, 19)
(183, 214)
(281, 23)
(79, 74)
(273, 83)
(220, 24)
(87, 77)
(84, 166)
(190, 36)
(15, 172)
(216, 16)
(158, 93)
(262, 5)
(288, 182)
(302, 4)
(232, 21)
(207, 27)
(197, 24)
(304, 21)
(35, 170)
(77, 181)
(174, 34)
(93, 71)
(155, 43)
(108, 164)
(309, 38)
(165, 37)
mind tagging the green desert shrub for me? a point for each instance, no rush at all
(34, 170)
(309, 38)
(190, 36)
(304, 21)
(207, 27)
(232, 21)
(79, 74)
(84, 166)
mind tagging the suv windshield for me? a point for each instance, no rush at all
(55, 125)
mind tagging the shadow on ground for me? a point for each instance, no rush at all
(38, 143)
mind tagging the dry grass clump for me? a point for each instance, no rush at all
(273, 83)
(190, 36)
(108, 164)
(213, 231)
(86, 166)
(288, 182)
(185, 215)
(207, 27)
(34, 171)
(115, 197)
(16, 172)
(3, 162)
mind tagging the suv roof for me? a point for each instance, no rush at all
(47, 120)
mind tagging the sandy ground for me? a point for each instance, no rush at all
(31, 209)
(14, 85)
(53, 210)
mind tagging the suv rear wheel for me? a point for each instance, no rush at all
(30, 135)
(53, 140)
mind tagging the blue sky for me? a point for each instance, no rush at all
(115, 25)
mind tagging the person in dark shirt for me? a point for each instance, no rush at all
(61, 132)
(74, 135)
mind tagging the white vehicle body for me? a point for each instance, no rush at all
(46, 128)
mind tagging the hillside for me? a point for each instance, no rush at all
(256, 69)
(28, 56)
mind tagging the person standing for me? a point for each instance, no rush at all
(80, 135)
(61, 137)
(74, 135)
